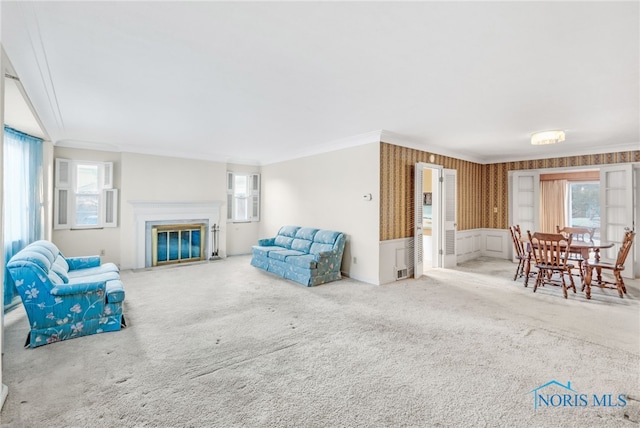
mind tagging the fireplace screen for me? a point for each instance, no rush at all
(177, 243)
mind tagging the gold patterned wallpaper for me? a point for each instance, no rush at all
(480, 187)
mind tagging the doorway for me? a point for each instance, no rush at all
(434, 218)
(616, 210)
(430, 233)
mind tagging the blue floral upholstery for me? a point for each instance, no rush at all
(66, 297)
(302, 254)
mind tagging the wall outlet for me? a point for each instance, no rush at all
(355, 260)
(102, 252)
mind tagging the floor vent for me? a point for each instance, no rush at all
(402, 273)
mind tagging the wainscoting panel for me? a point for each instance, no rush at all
(392, 253)
(497, 243)
(470, 244)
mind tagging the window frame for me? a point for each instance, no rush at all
(569, 204)
(252, 195)
(65, 195)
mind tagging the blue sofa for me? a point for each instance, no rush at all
(66, 297)
(302, 254)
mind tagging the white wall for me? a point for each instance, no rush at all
(90, 241)
(326, 191)
(241, 236)
(166, 179)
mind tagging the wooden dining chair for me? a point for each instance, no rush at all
(616, 268)
(578, 234)
(520, 253)
(551, 257)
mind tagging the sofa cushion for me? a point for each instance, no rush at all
(60, 272)
(47, 248)
(317, 248)
(103, 268)
(305, 261)
(36, 257)
(62, 262)
(306, 233)
(263, 251)
(282, 255)
(289, 231)
(54, 278)
(283, 241)
(301, 245)
(100, 277)
(326, 236)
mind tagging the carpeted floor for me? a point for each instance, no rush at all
(222, 344)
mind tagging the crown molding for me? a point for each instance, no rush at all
(330, 146)
(344, 143)
(598, 150)
(396, 139)
(400, 140)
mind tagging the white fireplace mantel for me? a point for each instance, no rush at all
(149, 211)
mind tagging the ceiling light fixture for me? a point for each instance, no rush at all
(547, 137)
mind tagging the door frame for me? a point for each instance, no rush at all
(439, 258)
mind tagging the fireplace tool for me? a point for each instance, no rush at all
(215, 229)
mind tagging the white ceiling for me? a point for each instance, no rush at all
(259, 82)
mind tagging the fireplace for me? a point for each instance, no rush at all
(174, 218)
(178, 243)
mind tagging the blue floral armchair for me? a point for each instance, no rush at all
(66, 297)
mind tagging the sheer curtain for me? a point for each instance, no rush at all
(553, 196)
(23, 198)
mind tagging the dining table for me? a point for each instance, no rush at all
(584, 248)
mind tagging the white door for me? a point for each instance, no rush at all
(418, 250)
(616, 211)
(436, 237)
(436, 215)
(449, 218)
(525, 201)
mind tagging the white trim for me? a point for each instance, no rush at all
(578, 151)
(399, 140)
(468, 244)
(330, 146)
(343, 143)
(496, 243)
(144, 211)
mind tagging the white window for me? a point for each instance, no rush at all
(584, 206)
(84, 195)
(243, 197)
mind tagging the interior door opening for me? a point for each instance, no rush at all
(430, 231)
(607, 206)
(434, 238)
